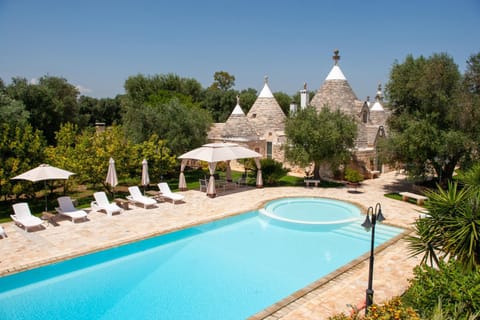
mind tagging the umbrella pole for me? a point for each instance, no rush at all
(46, 195)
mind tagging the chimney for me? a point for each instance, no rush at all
(304, 97)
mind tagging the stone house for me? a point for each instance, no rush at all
(262, 129)
(336, 94)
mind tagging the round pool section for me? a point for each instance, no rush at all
(312, 211)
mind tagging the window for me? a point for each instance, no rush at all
(269, 150)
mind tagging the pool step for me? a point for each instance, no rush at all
(382, 233)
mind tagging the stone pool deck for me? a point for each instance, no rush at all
(326, 297)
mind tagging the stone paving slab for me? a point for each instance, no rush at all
(328, 296)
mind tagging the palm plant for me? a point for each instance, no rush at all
(452, 227)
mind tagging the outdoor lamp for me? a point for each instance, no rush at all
(370, 224)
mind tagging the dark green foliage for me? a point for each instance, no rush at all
(319, 137)
(107, 111)
(284, 100)
(219, 103)
(51, 102)
(452, 227)
(223, 81)
(433, 127)
(247, 99)
(12, 111)
(457, 290)
(272, 171)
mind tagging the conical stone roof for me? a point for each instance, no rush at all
(237, 126)
(266, 113)
(335, 91)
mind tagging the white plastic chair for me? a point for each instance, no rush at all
(23, 217)
(166, 193)
(136, 196)
(101, 203)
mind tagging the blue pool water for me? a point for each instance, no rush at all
(228, 269)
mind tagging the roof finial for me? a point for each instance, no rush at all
(305, 85)
(336, 57)
(238, 99)
(379, 92)
(266, 79)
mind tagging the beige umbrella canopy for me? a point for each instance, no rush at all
(42, 173)
(216, 152)
(111, 178)
(145, 178)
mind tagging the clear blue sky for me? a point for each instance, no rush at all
(98, 44)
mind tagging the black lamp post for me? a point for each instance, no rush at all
(370, 224)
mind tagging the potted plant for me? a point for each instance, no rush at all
(353, 177)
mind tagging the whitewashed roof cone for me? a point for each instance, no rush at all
(237, 127)
(266, 92)
(335, 92)
(266, 113)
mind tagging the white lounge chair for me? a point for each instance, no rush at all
(101, 203)
(166, 193)
(66, 208)
(136, 197)
(23, 217)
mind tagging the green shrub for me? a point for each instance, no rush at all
(353, 176)
(451, 285)
(272, 171)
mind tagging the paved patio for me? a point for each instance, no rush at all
(326, 297)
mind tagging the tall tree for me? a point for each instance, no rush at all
(284, 100)
(22, 149)
(319, 137)
(12, 111)
(424, 94)
(139, 88)
(51, 102)
(247, 99)
(223, 80)
(106, 110)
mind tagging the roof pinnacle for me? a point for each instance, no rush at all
(379, 92)
(266, 79)
(336, 57)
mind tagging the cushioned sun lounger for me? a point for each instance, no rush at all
(66, 208)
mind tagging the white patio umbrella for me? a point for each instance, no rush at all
(145, 178)
(216, 152)
(43, 173)
(111, 178)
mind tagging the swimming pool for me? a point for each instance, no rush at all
(227, 269)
